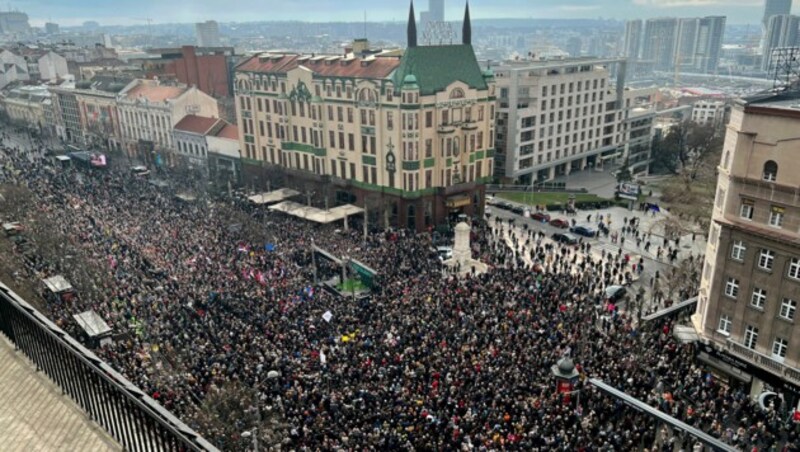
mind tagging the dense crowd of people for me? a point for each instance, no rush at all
(429, 360)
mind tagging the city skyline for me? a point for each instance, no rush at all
(185, 11)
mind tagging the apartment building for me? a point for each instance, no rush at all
(750, 287)
(560, 116)
(710, 113)
(413, 131)
(148, 112)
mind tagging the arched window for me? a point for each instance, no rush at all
(457, 93)
(770, 171)
(367, 95)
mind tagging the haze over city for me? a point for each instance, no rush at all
(128, 12)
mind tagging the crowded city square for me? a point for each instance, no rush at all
(212, 299)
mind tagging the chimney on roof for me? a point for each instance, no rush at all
(466, 30)
(412, 27)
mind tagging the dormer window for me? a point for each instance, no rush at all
(457, 93)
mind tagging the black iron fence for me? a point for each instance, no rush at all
(135, 420)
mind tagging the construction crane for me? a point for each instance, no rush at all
(149, 28)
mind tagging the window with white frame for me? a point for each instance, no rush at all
(746, 211)
(725, 324)
(737, 250)
(750, 337)
(794, 268)
(766, 259)
(776, 216)
(759, 298)
(732, 287)
(788, 307)
(779, 348)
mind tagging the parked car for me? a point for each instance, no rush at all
(560, 223)
(491, 200)
(505, 205)
(519, 210)
(541, 216)
(444, 252)
(615, 293)
(565, 238)
(585, 231)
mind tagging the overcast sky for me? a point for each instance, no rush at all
(129, 12)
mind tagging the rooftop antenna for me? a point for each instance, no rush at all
(785, 66)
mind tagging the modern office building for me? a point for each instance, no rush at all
(710, 34)
(750, 285)
(633, 39)
(775, 8)
(688, 44)
(207, 33)
(782, 31)
(51, 28)
(411, 134)
(435, 13)
(658, 46)
(14, 23)
(560, 116)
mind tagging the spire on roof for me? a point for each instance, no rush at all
(466, 30)
(412, 27)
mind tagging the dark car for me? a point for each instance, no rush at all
(560, 223)
(541, 216)
(615, 293)
(504, 205)
(565, 238)
(518, 210)
(585, 231)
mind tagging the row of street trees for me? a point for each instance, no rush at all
(690, 153)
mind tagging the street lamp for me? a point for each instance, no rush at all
(254, 434)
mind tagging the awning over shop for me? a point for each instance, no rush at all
(457, 201)
(273, 196)
(317, 215)
(57, 284)
(611, 156)
(92, 323)
(685, 334)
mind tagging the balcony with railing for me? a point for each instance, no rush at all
(133, 419)
(765, 362)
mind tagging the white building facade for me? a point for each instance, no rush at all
(149, 111)
(560, 116)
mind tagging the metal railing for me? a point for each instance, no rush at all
(131, 417)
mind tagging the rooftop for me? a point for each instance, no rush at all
(200, 125)
(787, 100)
(328, 66)
(229, 131)
(436, 67)
(155, 93)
